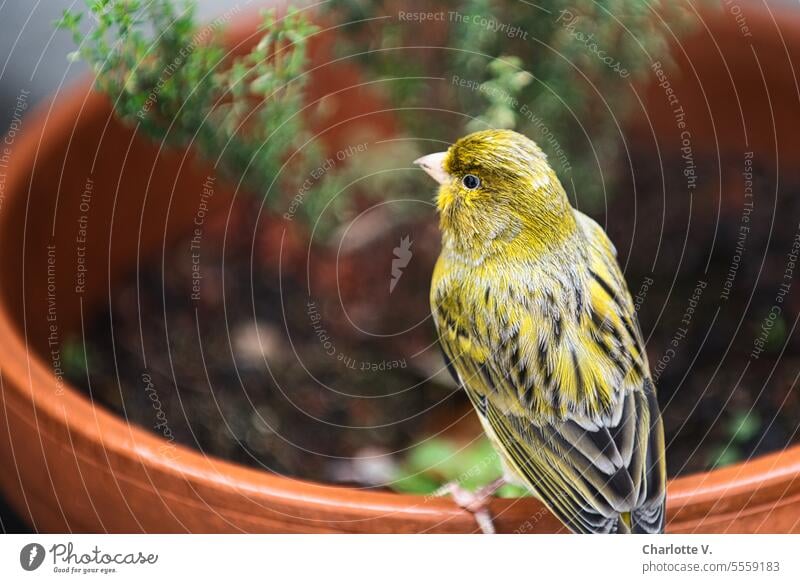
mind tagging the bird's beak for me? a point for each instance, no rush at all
(433, 164)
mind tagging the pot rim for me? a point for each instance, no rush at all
(745, 487)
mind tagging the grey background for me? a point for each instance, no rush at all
(33, 56)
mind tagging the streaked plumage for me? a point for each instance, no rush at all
(537, 325)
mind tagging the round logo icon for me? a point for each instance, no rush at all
(31, 556)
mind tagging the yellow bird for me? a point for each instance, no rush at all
(537, 325)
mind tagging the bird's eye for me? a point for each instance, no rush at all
(471, 181)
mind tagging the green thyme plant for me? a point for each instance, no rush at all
(172, 78)
(551, 71)
(556, 70)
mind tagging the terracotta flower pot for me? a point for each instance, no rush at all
(68, 465)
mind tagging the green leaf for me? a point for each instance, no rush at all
(415, 484)
(725, 456)
(744, 426)
(440, 461)
(513, 491)
(73, 356)
(433, 453)
(264, 83)
(69, 20)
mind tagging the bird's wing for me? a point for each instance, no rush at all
(588, 478)
(569, 400)
(647, 515)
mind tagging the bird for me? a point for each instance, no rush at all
(536, 324)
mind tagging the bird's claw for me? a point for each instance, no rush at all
(476, 503)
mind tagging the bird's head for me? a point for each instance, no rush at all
(497, 191)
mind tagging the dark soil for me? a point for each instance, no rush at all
(706, 268)
(314, 369)
(274, 367)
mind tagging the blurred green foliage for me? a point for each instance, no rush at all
(73, 356)
(438, 461)
(174, 79)
(741, 428)
(558, 71)
(776, 337)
